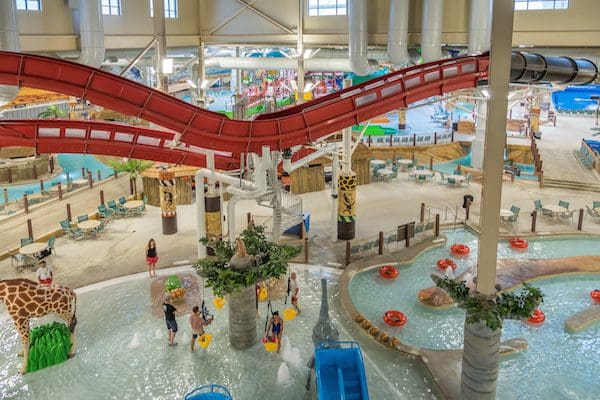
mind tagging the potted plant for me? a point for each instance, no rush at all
(174, 288)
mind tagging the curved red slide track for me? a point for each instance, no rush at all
(209, 130)
(96, 137)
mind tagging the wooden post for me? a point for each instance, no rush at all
(434, 137)
(51, 164)
(452, 138)
(29, 228)
(69, 216)
(59, 191)
(467, 208)
(9, 171)
(533, 220)
(102, 197)
(82, 173)
(25, 204)
(414, 139)
(131, 186)
(369, 140)
(422, 214)
(99, 175)
(347, 261)
(580, 222)
(305, 249)
(380, 243)
(407, 239)
(248, 218)
(115, 173)
(430, 163)
(90, 179)
(398, 233)
(68, 177)
(34, 171)
(41, 185)
(391, 138)
(437, 225)
(5, 195)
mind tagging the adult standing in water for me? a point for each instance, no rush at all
(169, 311)
(151, 257)
(197, 323)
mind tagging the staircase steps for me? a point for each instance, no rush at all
(573, 185)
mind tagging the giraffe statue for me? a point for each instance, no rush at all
(25, 299)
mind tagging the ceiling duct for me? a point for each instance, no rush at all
(91, 31)
(480, 26)
(358, 39)
(431, 30)
(397, 44)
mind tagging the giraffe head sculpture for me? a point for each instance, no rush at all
(26, 299)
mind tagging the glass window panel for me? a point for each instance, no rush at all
(21, 5)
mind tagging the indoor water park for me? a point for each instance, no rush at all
(332, 200)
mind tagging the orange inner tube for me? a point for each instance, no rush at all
(460, 249)
(595, 295)
(394, 318)
(388, 272)
(446, 263)
(537, 317)
(518, 243)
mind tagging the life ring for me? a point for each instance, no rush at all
(595, 295)
(388, 272)
(460, 249)
(537, 317)
(518, 243)
(394, 318)
(445, 263)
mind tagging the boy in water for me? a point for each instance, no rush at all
(169, 311)
(197, 323)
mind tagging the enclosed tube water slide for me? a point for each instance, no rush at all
(194, 129)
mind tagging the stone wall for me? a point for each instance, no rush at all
(28, 170)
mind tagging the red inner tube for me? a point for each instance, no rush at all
(460, 249)
(394, 318)
(446, 263)
(518, 243)
(595, 295)
(537, 317)
(388, 272)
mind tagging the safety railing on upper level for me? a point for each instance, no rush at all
(426, 139)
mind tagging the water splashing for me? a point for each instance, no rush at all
(135, 341)
(283, 375)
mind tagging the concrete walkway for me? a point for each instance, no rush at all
(557, 145)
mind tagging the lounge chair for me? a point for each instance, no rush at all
(50, 245)
(594, 215)
(567, 215)
(82, 218)
(26, 241)
(17, 260)
(538, 205)
(515, 209)
(564, 204)
(596, 204)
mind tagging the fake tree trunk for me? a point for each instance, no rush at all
(480, 362)
(242, 318)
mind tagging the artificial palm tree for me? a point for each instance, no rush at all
(52, 112)
(483, 330)
(235, 273)
(134, 167)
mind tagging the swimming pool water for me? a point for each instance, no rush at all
(122, 354)
(553, 357)
(71, 163)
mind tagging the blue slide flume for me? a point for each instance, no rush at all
(340, 371)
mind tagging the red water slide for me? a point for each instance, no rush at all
(209, 130)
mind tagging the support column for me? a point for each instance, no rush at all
(402, 118)
(212, 207)
(168, 201)
(201, 76)
(160, 30)
(347, 183)
(300, 50)
(477, 146)
(334, 193)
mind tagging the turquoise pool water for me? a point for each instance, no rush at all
(449, 167)
(122, 353)
(71, 163)
(522, 375)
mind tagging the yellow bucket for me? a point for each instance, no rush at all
(219, 302)
(289, 314)
(270, 346)
(262, 294)
(204, 340)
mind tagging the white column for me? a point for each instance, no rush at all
(210, 164)
(300, 50)
(477, 146)
(493, 162)
(334, 193)
(200, 213)
(347, 139)
(160, 30)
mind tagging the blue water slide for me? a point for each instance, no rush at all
(209, 392)
(340, 371)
